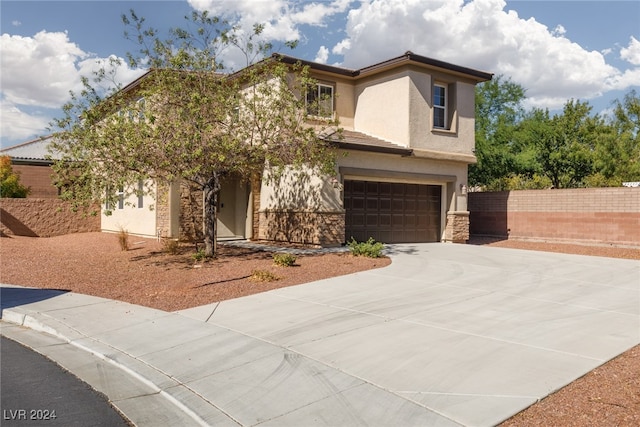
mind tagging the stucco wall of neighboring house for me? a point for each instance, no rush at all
(38, 179)
(586, 215)
(135, 220)
(44, 218)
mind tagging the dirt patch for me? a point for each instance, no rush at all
(94, 264)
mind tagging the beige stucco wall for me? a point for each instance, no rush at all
(396, 106)
(300, 190)
(460, 138)
(306, 192)
(138, 221)
(382, 107)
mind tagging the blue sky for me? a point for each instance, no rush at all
(557, 50)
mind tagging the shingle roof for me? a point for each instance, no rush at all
(35, 150)
(352, 140)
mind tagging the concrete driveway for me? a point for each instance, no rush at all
(471, 334)
(447, 335)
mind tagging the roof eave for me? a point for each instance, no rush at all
(375, 149)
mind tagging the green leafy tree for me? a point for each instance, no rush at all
(498, 111)
(617, 151)
(189, 119)
(564, 144)
(10, 185)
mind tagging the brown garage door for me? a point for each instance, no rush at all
(392, 212)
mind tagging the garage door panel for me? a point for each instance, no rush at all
(392, 212)
(384, 204)
(357, 220)
(357, 203)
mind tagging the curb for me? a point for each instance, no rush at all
(142, 414)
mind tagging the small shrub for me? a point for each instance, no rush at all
(170, 246)
(199, 255)
(284, 260)
(263, 276)
(123, 239)
(370, 248)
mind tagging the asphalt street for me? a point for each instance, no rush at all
(34, 391)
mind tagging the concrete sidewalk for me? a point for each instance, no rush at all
(446, 335)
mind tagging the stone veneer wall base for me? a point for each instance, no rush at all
(317, 228)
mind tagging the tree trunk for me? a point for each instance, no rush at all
(211, 190)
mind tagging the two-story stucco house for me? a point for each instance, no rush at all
(406, 142)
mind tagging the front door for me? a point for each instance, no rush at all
(233, 201)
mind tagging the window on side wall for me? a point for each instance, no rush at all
(439, 106)
(320, 101)
(140, 193)
(121, 198)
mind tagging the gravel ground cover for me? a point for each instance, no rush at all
(94, 264)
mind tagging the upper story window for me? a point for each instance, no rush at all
(137, 110)
(141, 107)
(320, 101)
(440, 106)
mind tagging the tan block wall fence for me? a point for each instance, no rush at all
(43, 218)
(586, 215)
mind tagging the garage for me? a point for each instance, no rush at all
(392, 212)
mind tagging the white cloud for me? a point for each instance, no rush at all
(482, 34)
(632, 52)
(40, 71)
(322, 55)
(18, 125)
(282, 18)
(559, 31)
(341, 47)
(16, 23)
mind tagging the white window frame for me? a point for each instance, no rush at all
(439, 107)
(321, 107)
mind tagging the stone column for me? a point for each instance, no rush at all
(457, 230)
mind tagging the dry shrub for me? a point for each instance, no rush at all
(284, 260)
(263, 276)
(170, 246)
(123, 239)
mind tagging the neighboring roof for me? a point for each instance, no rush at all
(31, 151)
(352, 140)
(406, 58)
